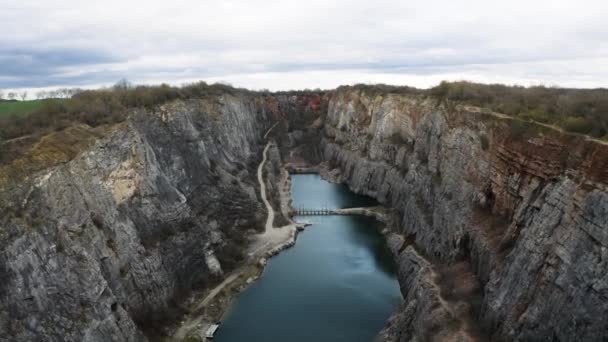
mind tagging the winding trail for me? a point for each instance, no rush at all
(273, 239)
(270, 130)
(262, 246)
(479, 110)
(270, 217)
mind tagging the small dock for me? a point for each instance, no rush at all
(211, 331)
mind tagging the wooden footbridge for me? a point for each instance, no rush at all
(314, 212)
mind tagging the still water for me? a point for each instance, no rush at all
(336, 284)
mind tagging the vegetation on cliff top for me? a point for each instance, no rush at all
(23, 124)
(103, 106)
(582, 111)
(575, 110)
(99, 107)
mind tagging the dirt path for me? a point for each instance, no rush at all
(264, 245)
(513, 118)
(273, 238)
(218, 289)
(270, 217)
(199, 322)
(270, 130)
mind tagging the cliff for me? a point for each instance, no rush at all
(105, 230)
(503, 224)
(501, 231)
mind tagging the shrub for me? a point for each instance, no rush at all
(103, 106)
(99, 107)
(576, 110)
(518, 128)
(576, 124)
(537, 115)
(440, 91)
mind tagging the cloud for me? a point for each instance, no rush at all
(286, 44)
(27, 67)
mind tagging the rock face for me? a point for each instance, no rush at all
(502, 229)
(523, 207)
(102, 244)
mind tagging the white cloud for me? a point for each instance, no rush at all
(293, 44)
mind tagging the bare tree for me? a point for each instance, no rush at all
(123, 84)
(12, 95)
(75, 91)
(23, 95)
(41, 94)
(1, 94)
(224, 83)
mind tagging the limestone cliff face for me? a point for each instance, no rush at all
(502, 230)
(524, 208)
(99, 245)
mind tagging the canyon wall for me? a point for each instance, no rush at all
(105, 230)
(503, 229)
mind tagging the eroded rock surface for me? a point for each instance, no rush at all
(103, 243)
(524, 205)
(502, 229)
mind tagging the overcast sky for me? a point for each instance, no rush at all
(280, 44)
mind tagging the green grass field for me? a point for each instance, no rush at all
(19, 107)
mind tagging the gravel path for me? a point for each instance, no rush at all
(263, 245)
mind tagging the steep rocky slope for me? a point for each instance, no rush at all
(104, 230)
(517, 211)
(502, 227)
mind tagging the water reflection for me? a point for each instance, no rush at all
(310, 191)
(364, 231)
(336, 284)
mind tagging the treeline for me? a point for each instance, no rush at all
(577, 110)
(103, 106)
(109, 105)
(582, 111)
(379, 89)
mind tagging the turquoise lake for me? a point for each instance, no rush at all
(336, 284)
